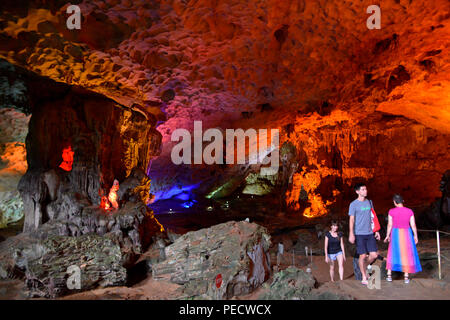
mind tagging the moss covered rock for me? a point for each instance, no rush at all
(97, 259)
(290, 284)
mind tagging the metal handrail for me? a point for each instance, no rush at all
(439, 255)
(438, 243)
(422, 230)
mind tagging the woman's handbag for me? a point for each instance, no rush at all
(375, 224)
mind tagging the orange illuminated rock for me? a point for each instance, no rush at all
(14, 154)
(112, 196)
(104, 204)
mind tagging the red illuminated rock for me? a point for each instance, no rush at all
(67, 156)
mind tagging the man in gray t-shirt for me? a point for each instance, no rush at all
(360, 212)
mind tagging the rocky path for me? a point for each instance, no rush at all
(417, 289)
(423, 286)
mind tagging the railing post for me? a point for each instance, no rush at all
(438, 252)
(293, 262)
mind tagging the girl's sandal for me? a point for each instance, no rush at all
(389, 278)
(406, 279)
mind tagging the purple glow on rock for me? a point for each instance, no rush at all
(177, 192)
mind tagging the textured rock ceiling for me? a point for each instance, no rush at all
(212, 60)
(229, 56)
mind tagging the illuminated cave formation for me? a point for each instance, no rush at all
(101, 104)
(112, 196)
(339, 92)
(67, 156)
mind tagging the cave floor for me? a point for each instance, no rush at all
(293, 230)
(424, 285)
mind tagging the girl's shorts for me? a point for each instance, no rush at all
(333, 256)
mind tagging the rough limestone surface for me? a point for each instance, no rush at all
(109, 142)
(44, 264)
(11, 208)
(235, 250)
(123, 226)
(14, 253)
(327, 295)
(290, 284)
(98, 259)
(13, 164)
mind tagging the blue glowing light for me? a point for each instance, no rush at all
(175, 192)
(189, 203)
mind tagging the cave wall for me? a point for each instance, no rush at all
(332, 152)
(391, 154)
(13, 131)
(13, 164)
(217, 61)
(106, 138)
(108, 141)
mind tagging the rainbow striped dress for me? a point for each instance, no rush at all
(402, 253)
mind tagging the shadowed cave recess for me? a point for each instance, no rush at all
(87, 117)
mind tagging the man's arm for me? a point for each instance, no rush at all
(377, 235)
(351, 223)
(351, 236)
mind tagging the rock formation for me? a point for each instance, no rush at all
(445, 200)
(13, 131)
(46, 264)
(235, 250)
(437, 214)
(290, 284)
(108, 142)
(79, 144)
(98, 260)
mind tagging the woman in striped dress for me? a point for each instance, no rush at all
(402, 234)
